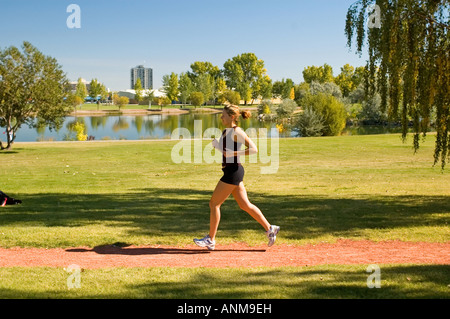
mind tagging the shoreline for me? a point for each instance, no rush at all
(166, 111)
(142, 112)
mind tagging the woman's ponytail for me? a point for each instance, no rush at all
(246, 114)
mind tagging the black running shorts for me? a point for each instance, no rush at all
(233, 174)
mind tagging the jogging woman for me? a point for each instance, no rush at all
(231, 182)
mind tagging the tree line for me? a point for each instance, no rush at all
(244, 78)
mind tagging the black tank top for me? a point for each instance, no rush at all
(228, 137)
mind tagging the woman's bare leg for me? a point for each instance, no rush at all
(240, 195)
(220, 194)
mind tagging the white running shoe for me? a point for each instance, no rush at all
(206, 242)
(272, 234)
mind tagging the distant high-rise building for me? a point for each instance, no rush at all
(146, 76)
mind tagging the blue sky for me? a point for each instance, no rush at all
(169, 35)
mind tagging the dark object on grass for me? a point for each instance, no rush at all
(6, 200)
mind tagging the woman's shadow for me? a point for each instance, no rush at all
(125, 249)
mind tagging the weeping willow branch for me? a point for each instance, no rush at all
(409, 63)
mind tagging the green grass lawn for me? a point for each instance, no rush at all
(98, 193)
(319, 282)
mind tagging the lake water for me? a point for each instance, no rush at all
(155, 127)
(131, 127)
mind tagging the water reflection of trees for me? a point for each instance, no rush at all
(138, 123)
(165, 124)
(98, 121)
(148, 126)
(120, 124)
(161, 126)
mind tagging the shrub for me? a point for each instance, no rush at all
(232, 97)
(120, 100)
(80, 129)
(353, 110)
(301, 91)
(330, 109)
(74, 100)
(162, 100)
(286, 108)
(266, 107)
(327, 88)
(165, 100)
(309, 123)
(371, 111)
(197, 98)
